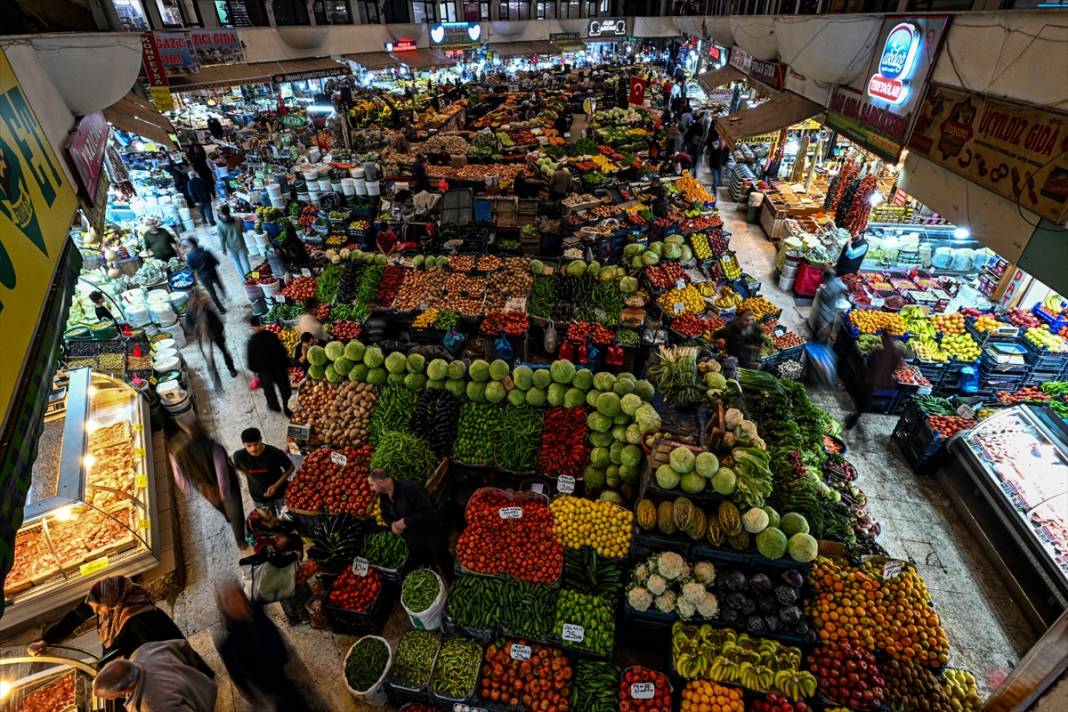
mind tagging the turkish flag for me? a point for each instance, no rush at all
(637, 90)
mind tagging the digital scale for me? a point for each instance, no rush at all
(1006, 355)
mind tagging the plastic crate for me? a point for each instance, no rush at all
(1008, 335)
(1044, 360)
(1055, 323)
(369, 621)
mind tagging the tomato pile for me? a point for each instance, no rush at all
(512, 323)
(524, 547)
(355, 593)
(346, 330)
(689, 324)
(542, 682)
(946, 426)
(300, 289)
(564, 450)
(582, 330)
(322, 311)
(695, 224)
(1030, 393)
(787, 341)
(848, 676)
(666, 275)
(659, 702)
(909, 375)
(323, 484)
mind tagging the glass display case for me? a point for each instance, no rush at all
(1018, 461)
(90, 508)
(937, 249)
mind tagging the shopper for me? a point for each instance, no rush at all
(420, 181)
(408, 511)
(659, 198)
(878, 374)
(159, 241)
(560, 183)
(852, 256)
(254, 653)
(308, 323)
(101, 311)
(200, 465)
(265, 467)
(126, 618)
(198, 160)
(695, 141)
(830, 302)
(232, 240)
(718, 157)
(743, 339)
(301, 356)
(205, 266)
(674, 140)
(158, 677)
(200, 193)
(267, 358)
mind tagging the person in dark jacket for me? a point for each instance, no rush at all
(408, 511)
(102, 312)
(718, 157)
(659, 197)
(198, 159)
(200, 464)
(126, 617)
(205, 266)
(267, 358)
(879, 373)
(420, 182)
(254, 653)
(852, 256)
(743, 339)
(179, 174)
(208, 329)
(200, 194)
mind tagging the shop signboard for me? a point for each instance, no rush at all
(609, 28)
(37, 202)
(455, 34)
(155, 75)
(1011, 149)
(217, 45)
(85, 149)
(404, 44)
(740, 60)
(717, 56)
(176, 52)
(878, 111)
(771, 73)
(563, 36)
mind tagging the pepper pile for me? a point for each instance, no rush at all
(564, 450)
(523, 546)
(456, 669)
(345, 330)
(595, 687)
(585, 622)
(389, 285)
(520, 608)
(414, 660)
(512, 323)
(355, 593)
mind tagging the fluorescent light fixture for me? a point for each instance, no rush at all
(5, 689)
(876, 198)
(962, 233)
(320, 109)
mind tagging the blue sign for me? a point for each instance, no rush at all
(896, 64)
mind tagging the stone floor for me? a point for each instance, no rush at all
(987, 632)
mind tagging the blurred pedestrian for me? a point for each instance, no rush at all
(232, 240)
(852, 256)
(267, 358)
(200, 464)
(308, 323)
(158, 677)
(254, 653)
(718, 157)
(198, 159)
(200, 193)
(830, 302)
(205, 266)
(265, 467)
(878, 374)
(210, 333)
(743, 339)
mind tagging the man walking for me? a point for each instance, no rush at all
(205, 267)
(200, 193)
(232, 239)
(265, 467)
(267, 358)
(210, 333)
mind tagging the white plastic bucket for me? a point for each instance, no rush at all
(175, 332)
(311, 174)
(786, 282)
(348, 186)
(372, 187)
(374, 695)
(164, 344)
(360, 186)
(163, 355)
(314, 154)
(324, 185)
(356, 172)
(270, 289)
(278, 202)
(138, 314)
(179, 301)
(274, 190)
(162, 313)
(430, 619)
(162, 365)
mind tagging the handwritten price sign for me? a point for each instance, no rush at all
(573, 633)
(510, 512)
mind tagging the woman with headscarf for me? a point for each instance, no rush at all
(126, 618)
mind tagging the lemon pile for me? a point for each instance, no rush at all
(602, 525)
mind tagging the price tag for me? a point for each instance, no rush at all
(893, 568)
(510, 512)
(143, 524)
(305, 272)
(642, 690)
(139, 452)
(90, 568)
(254, 275)
(678, 307)
(279, 299)
(565, 484)
(573, 633)
(681, 284)
(338, 459)
(138, 428)
(966, 411)
(359, 566)
(140, 481)
(520, 652)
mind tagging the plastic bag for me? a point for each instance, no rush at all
(504, 348)
(567, 351)
(592, 354)
(823, 364)
(254, 383)
(614, 355)
(551, 340)
(454, 341)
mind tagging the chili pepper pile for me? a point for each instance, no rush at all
(301, 289)
(385, 549)
(419, 590)
(476, 433)
(322, 483)
(512, 323)
(355, 593)
(580, 331)
(564, 450)
(456, 669)
(523, 547)
(366, 663)
(414, 660)
(389, 285)
(519, 433)
(541, 681)
(590, 619)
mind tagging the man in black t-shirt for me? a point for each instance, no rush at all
(265, 467)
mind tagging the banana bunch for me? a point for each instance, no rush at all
(690, 665)
(917, 323)
(927, 349)
(707, 289)
(755, 677)
(795, 684)
(728, 299)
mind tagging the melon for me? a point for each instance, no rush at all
(665, 519)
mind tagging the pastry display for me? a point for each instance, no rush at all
(34, 561)
(55, 696)
(113, 465)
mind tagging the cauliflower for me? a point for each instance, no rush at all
(665, 602)
(684, 608)
(670, 565)
(733, 418)
(705, 572)
(729, 439)
(640, 574)
(693, 593)
(656, 584)
(639, 598)
(709, 606)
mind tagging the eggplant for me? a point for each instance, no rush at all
(748, 606)
(728, 614)
(735, 581)
(737, 601)
(760, 584)
(793, 578)
(773, 624)
(768, 604)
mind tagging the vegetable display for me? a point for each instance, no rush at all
(518, 437)
(496, 541)
(585, 622)
(366, 662)
(413, 660)
(520, 608)
(587, 572)
(476, 433)
(355, 593)
(419, 590)
(595, 687)
(456, 669)
(437, 415)
(324, 482)
(385, 549)
(644, 690)
(518, 673)
(393, 411)
(404, 456)
(564, 450)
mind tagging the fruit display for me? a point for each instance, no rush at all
(1022, 318)
(722, 655)
(910, 685)
(986, 323)
(962, 690)
(300, 289)
(961, 347)
(682, 301)
(667, 583)
(1044, 340)
(909, 375)
(848, 676)
(763, 603)
(870, 321)
(760, 307)
(355, 593)
(689, 324)
(877, 608)
(693, 190)
(946, 426)
(705, 696)
(727, 298)
(585, 622)
(599, 524)
(952, 323)
(57, 695)
(333, 481)
(642, 689)
(666, 275)
(505, 535)
(518, 673)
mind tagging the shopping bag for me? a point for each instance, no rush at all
(614, 355)
(551, 340)
(266, 583)
(254, 383)
(567, 351)
(504, 349)
(823, 365)
(454, 341)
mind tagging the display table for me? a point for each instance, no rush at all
(783, 203)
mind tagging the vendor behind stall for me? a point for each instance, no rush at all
(743, 339)
(408, 511)
(159, 241)
(560, 183)
(852, 255)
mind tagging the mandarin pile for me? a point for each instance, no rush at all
(706, 696)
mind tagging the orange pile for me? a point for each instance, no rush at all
(706, 696)
(949, 323)
(857, 604)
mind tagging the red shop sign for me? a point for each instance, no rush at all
(771, 73)
(151, 62)
(85, 149)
